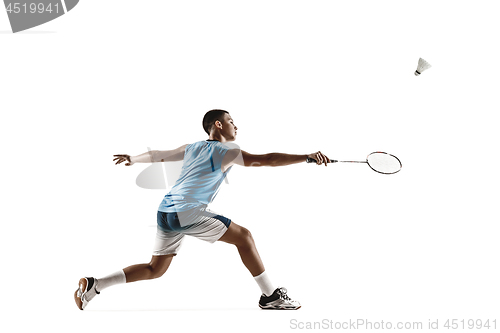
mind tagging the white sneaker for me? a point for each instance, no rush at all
(85, 292)
(279, 300)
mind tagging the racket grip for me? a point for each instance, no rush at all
(312, 160)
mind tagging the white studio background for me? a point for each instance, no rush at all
(116, 77)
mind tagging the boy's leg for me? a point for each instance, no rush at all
(166, 246)
(90, 287)
(156, 268)
(242, 238)
(164, 243)
(271, 298)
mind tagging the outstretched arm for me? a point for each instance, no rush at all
(153, 156)
(241, 157)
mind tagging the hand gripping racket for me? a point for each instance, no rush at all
(377, 161)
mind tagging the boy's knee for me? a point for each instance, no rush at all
(155, 271)
(245, 236)
(159, 265)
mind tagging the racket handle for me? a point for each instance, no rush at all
(312, 160)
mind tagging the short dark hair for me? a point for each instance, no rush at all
(210, 118)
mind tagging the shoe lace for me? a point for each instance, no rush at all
(282, 292)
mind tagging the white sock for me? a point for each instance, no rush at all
(265, 284)
(111, 280)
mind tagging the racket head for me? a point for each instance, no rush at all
(384, 163)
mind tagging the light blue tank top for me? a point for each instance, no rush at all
(200, 178)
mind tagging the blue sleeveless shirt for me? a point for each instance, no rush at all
(200, 178)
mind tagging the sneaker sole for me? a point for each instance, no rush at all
(82, 286)
(282, 308)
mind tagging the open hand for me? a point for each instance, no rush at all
(123, 158)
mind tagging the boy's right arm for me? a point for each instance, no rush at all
(153, 156)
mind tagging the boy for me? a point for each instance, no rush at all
(183, 211)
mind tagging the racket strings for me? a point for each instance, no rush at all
(384, 163)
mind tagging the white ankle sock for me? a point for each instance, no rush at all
(111, 280)
(265, 284)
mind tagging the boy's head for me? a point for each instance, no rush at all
(221, 122)
(210, 118)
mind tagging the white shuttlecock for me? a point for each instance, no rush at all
(422, 66)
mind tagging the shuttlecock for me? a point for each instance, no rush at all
(422, 66)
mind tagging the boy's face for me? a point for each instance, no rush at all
(229, 128)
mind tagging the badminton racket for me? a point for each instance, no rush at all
(378, 161)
